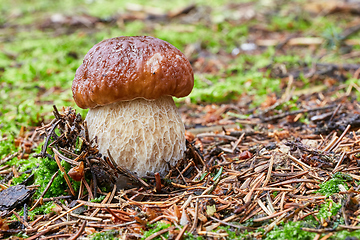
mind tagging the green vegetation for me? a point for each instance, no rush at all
(328, 210)
(47, 168)
(46, 208)
(290, 230)
(98, 199)
(38, 60)
(233, 233)
(108, 235)
(38, 63)
(153, 228)
(332, 186)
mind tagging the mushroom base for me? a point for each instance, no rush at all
(144, 136)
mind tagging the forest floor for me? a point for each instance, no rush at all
(272, 125)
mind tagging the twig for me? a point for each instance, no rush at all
(44, 147)
(195, 217)
(282, 115)
(158, 182)
(333, 147)
(267, 179)
(65, 175)
(45, 190)
(61, 215)
(22, 220)
(238, 142)
(228, 224)
(154, 235)
(181, 233)
(339, 162)
(273, 215)
(62, 157)
(304, 165)
(8, 158)
(227, 137)
(78, 233)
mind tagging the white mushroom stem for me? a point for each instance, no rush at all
(144, 136)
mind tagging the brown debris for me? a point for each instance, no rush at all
(266, 173)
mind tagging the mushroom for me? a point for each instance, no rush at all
(128, 84)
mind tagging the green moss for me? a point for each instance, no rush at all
(153, 228)
(108, 235)
(233, 233)
(98, 199)
(332, 186)
(328, 210)
(289, 231)
(346, 235)
(21, 178)
(7, 146)
(40, 210)
(45, 171)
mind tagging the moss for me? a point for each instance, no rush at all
(289, 231)
(332, 186)
(40, 210)
(153, 228)
(45, 171)
(108, 235)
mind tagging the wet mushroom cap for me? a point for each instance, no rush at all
(125, 68)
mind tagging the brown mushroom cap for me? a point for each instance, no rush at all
(125, 68)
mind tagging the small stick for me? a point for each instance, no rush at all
(333, 147)
(62, 157)
(212, 187)
(195, 217)
(63, 235)
(45, 191)
(335, 112)
(180, 175)
(273, 215)
(158, 182)
(282, 201)
(61, 215)
(304, 165)
(91, 196)
(38, 234)
(181, 233)
(267, 179)
(115, 215)
(26, 216)
(8, 158)
(22, 220)
(37, 220)
(97, 225)
(44, 147)
(65, 175)
(76, 235)
(152, 236)
(228, 224)
(227, 137)
(107, 199)
(94, 178)
(86, 217)
(187, 167)
(238, 142)
(339, 162)
(263, 207)
(300, 180)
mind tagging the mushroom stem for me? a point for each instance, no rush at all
(144, 136)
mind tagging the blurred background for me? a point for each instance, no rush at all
(244, 53)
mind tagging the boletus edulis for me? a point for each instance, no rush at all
(128, 84)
